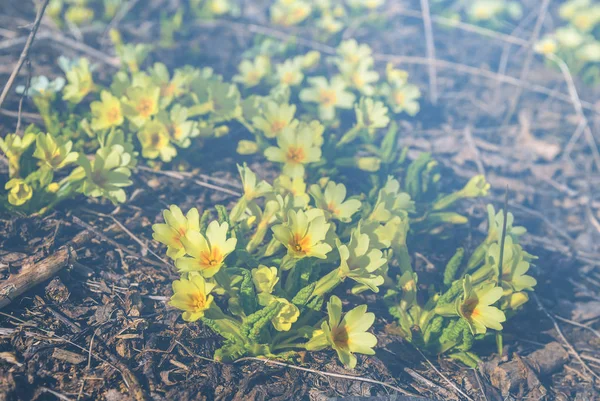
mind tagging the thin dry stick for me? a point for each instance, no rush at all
(24, 53)
(564, 339)
(447, 22)
(576, 100)
(450, 382)
(184, 177)
(336, 375)
(528, 59)
(574, 323)
(469, 138)
(430, 44)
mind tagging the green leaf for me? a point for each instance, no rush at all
(453, 266)
(303, 296)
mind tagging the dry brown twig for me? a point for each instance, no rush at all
(329, 374)
(24, 53)
(430, 46)
(566, 342)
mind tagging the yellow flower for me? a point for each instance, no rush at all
(141, 104)
(475, 307)
(106, 113)
(302, 236)
(155, 141)
(54, 154)
(192, 295)
(264, 279)
(295, 149)
(294, 186)
(290, 14)
(289, 73)
(288, 314)
(276, 118)
(79, 80)
(252, 72)
(347, 335)
(332, 201)
(13, 146)
(328, 95)
(176, 226)
(252, 189)
(19, 192)
(546, 46)
(207, 253)
(245, 147)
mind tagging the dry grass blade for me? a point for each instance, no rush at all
(430, 44)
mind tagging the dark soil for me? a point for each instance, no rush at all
(101, 329)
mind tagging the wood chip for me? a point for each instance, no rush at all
(68, 356)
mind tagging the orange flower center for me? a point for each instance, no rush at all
(301, 244)
(278, 125)
(197, 301)
(253, 77)
(340, 337)
(212, 258)
(295, 154)
(333, 209)
(113, 115)
(177, 132)
(157, 140)
(327, 97)
(287, 78)
(358, 80)
(399, 98)
(145, 107)
(469, 308)
(168, 90)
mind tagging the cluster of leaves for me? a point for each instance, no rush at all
(578, 41)
(489, 13)
(478, 293)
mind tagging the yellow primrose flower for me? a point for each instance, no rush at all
(347, 335)
(308, 60)
(296, 187)
(360, 262)
(245, 147)
(350, 52)
(208, 252)
(54, 154)
(328, 95)
(404, 98)
(290, 14)
(192, 296)
(371, 164)
(288, 314)
(79, 15)
(484, 10)
(106, 113)
(475, 307)
(176, 226)
(79, 79)
(586, 20)
(19, 192)
(289, 73)
(155, 141)
(395, 76)
(360, 76)
(264, 279)
(180, 128)
(329, 24)
(141, 104)
(302, 236)
(332, 201)
(219, 7)
(569, 37)
(252, 189)
(589, 52)
(13, 146)
(252, 72)
(546, 46)
(570, 8)
(170, 88)
(275, 118)
(294, 150)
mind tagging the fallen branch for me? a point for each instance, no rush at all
(36, 273)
